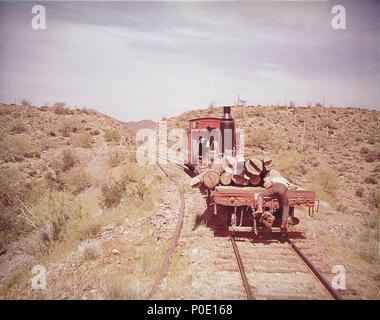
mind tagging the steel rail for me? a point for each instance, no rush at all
(243, 275)
(164, 268)
(322, 279)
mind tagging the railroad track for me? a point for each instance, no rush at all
(273, 269)
(173, 240)
(279, 270)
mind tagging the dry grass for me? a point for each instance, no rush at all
(77, 180)
(258, 137)
(70, 125)
(120, 286)
(116, 157)
(19, 147)
(69, 159)
(325, 182)
(18, 126)
(289, 163)
(178, 280)
(90, 250)
(112, 136)
(82, 139)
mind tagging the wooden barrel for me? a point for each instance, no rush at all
(226, 178)
(211, 179)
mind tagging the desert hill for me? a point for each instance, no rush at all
(74, 200)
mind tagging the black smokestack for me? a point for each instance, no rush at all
(227, 128)
(227, 113)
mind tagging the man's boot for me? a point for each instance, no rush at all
(260, 202)
(285, 216)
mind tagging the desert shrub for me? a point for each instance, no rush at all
(25, 103)
(120, 285)
(329, 123)
(83, 139)
(12, 186)
(289, 163)
(90, 250)
(59, 108)
(259, 137)
(69, 159)
(18, 126)
(147, 265)
(115, 157)
(82, 225)
(112, 193)
(12, 190)
(325, 182)
(77, 180)
(47, 143)
(70, 125)
(112, 136)
(5, 109)
(20, 146)
(47, 220)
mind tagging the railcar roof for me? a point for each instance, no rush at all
(205, 118)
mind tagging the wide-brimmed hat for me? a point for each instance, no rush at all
(267, 162)
(232, 165)
(229, 164)
(254, 166)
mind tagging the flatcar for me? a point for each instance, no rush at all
(210, 139)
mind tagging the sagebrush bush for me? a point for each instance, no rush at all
(259, 137)
(325, 182)
(289, 163)
(112, 193)
(20, 146)
(82, 139)
(112, 136)
(70, 125)
(69, 159)
(18, 126)
(116, 157)
(77, 180)
(61, 109)
(12, 186)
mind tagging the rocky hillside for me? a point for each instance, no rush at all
(74, 201)
(67, 176)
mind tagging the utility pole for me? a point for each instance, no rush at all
(285, 99)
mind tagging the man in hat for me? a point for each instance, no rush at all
(277, 187)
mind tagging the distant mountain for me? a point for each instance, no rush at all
(142, 124)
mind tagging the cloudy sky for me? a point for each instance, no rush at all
(137, 60)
